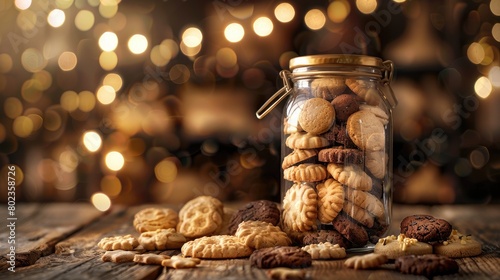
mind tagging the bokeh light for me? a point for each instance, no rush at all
(86, 101)
(22, 126)
(67, 61)
(56, 18)
(22, 4)
(494, 76)
(192, 37)
(69, 100)
(101, 202)
(366, 6)
(114, 80)
(92, 141)
(284, 12)
(138, 43)
(495, 7)
(483, 87)
(106, 94)
(263, 26)
(12, 107)
(111, 185)
(5, 63)
(108, 60)
(226, 57)
(64, 4)
(338, 10)
(33, 60)
(166, 171)
(114, 160)
(108, 9)
(315, 19)
(108, 41)
(84, 20)
(234, 32)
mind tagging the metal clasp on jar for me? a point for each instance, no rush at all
(274, 100)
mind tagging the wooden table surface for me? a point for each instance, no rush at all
(58, 241)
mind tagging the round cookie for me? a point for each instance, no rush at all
(425, 228)
(365, 89)
(345, 105)
(394, 247)
(260, 210)
(258, 235)
(302, 140)
(376, 162)
(299, 156)
(281, 256)
(216, 247)
(458, 246)
(161, 239)
(366, 131)
(377, 111)
(339, 154)
(300, 208)
(429, 265)
(350, 175)
(150, 219)
(330, 200)
(200, 216)
(328, 88)
(317, 116)
(352, 231)
(306, 172)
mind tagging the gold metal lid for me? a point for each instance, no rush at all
(335, 59)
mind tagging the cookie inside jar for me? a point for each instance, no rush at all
(336, 150)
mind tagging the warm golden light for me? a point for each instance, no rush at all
(234, 32)
(12, 107)
(495, 7)
(263, 26)
(69, 101)
(483, 87)
(192, 37)
(338, 10)
(284, 12)
(108, 60)
(106, 94)
(33, 60)
(84, 20)
(101, 202)
(494, 76)
(22, 126)
(64, 4)
(114, 161)
(114, 80)
(226, 57)
(22, 4)
(166, 171)
(5, 63)
(56, 18)
(366, 6)
(108, 41)
(138, 44)
(86, 101)
(111, 185)
(107, 9)
(475, 53)
(495, 31)
(315, 19)
(92, 141)
(67, 61)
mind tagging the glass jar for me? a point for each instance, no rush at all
(336, 149)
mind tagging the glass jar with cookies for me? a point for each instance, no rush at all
(336, 150)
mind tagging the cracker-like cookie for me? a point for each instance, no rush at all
(161, 239)
(351, 230)
(281, 256)
(317, 116)
(325, 251)
(358, 214)
(257, 235)
(328, 88)
(367, 201)
(339, 154)
(366, 131)
(299, 156)
(216, 247)
(150, 219)
(367, 261)
(306, 172)
(330, 200)
(125, 242)
(458, 246)
(345, 105)
(118, 256)
(429, 265)
(377, 111)
(425, 228)
(200, 216)
(150, 258)
(376, 162)
(365, 89)
(321, 236)
(259, 210)
(350, 175)
(394, 247)
(301, 140)
(300, 208)
(283, 273)
(180, 262)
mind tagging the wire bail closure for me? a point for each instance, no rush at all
(274, 100)
(388, 73)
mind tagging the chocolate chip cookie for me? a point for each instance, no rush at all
(324, 235)
(281, 256)
(428, 265)
(260, 210)
(425, 228)
(350, 229)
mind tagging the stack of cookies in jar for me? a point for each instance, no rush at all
(335, 161)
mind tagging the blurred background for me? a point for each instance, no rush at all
(129, 102)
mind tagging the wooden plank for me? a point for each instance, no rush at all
(44, 226)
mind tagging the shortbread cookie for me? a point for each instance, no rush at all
(118, 256)
(351, 230)
(367, 261)
(321, 236)
(376, 162)
(325, 251)
(290, 127)
(366, 131)
(260, 210)
(180, 262)
(330, 200)
(300, 208)
(429, 265)
(301, 140)
(458, 246)
(283, 273)
(306, 172)
(299, 156)
(341, 155)
(358, 214)
(150, 258)
(366, 201)
(125, 242)
(216, 247)
(281, 256)
(365, 89)
(425, 228)
(377, 111)
(150, 219)
(350, 175)
(345, 105)
(394, 247)
(258, 235)
(161, 239)
(200, 217)
(317, 116)
(328, 88)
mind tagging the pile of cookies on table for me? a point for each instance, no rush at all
(335, 165)
(206, 229)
